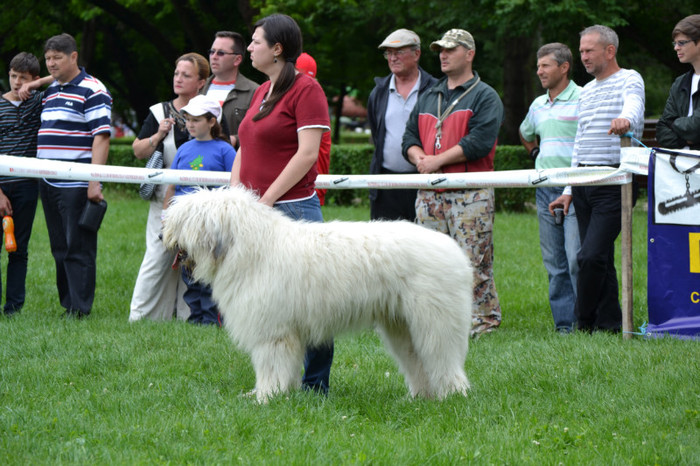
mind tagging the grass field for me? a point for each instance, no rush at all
(103, 391)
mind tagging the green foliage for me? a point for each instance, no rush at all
(513, 199)
(122, 155)
(122, 141)
(131, 45)
(106, 391)
(352, 137)
(349, 159)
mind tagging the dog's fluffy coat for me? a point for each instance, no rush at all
(282, 285)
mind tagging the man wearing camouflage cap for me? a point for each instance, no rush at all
(454, 128)
(389, 106)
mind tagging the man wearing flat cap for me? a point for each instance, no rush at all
(454, 128)
(388, 109)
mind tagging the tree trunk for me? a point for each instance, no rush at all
(338, 114)
(518, 70)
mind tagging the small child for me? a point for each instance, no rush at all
(208, 150)
(19, 123)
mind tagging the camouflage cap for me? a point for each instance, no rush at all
(400, 38)
(452, 39)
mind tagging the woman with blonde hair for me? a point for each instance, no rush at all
(158, 292)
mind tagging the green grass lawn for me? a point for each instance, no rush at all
(103, 391)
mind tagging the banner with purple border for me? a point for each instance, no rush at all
(673, 290)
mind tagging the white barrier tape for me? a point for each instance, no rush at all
(635, 161)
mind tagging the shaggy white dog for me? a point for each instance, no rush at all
(282, 285)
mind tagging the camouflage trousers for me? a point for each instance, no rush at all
(467, 216)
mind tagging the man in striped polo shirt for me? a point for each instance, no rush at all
(610, 106)
(553, 117)
(75, 127)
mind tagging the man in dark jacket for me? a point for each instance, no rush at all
(679, 126)
(389, 106)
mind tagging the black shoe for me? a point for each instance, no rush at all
(74, 314)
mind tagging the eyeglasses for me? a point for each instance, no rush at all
(396, 53)
(680, 43)
(221, 53)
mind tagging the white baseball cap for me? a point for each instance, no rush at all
(200, 105)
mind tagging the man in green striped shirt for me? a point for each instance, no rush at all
(553, 118)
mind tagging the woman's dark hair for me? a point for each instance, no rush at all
(216, 131)
(284, 30)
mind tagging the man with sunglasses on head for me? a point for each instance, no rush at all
(226, 84)
(389, 106)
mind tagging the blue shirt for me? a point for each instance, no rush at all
(213, 155)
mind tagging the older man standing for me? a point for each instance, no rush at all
(226, 84)
(388, 109)
(74, 128)
(610, 106)
(454, 128)
(554, 118)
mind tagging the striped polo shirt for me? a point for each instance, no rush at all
(18, 128)
(620, 95)
(555, 122)
(73, 114)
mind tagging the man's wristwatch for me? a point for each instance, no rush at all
(534, 153)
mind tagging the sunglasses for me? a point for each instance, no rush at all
(221, 53)
(680, 43)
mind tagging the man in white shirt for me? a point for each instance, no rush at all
(610, 106)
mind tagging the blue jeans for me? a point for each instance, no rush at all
(23, 196)
(318, 360)
(203, 309)
(560, 245)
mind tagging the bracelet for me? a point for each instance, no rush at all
(150, 141)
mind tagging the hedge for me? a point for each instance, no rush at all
(354, 159)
